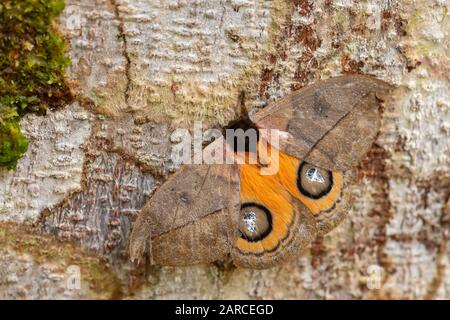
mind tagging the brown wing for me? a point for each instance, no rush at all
(201, 241)
(331, 123)
(184, 219)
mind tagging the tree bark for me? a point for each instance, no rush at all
(143, 67)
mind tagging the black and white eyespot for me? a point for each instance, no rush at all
(314, 182)
(255, 222)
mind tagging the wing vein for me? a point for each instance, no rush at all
(334, 126)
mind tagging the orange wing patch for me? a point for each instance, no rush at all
(268, 192)
(287, 176)
(275, 193)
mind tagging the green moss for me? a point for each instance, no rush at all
(32, 64)
(13, 144)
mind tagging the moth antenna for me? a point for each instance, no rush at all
(243, 113)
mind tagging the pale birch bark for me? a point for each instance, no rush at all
(142, 67)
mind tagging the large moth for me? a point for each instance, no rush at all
(210, 212)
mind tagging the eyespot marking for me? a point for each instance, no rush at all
(255, 222)
(314, 182)
(250, 221)
(314, 175)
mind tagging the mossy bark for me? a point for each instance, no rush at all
(32, 64)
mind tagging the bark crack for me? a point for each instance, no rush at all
(439, 276)
(125, 54)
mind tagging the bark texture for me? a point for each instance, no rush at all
(142, 67)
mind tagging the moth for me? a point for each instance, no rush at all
(209, 212)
